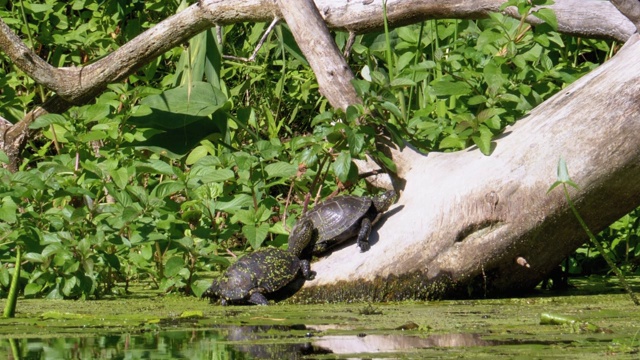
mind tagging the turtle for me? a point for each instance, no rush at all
(263, 272)
(342, 218)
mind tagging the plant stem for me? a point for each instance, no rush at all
(600, 248)
(12, 299)
(389, 51)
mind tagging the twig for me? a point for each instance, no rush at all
(258, 46)
(347, 48)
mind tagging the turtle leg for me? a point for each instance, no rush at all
(306, 270)
(363, 235)
(258, 299)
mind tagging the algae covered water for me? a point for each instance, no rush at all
(592, 321)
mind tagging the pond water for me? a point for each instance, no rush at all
(249, 342)
(579, 323)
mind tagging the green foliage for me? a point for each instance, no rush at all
(196, 155)
(564, 180)
(450, 84)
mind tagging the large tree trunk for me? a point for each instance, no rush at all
(470, 224)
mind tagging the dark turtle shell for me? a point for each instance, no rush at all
(265, 270)
(345, 217)
(337, 219)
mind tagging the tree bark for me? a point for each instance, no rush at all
(467, 223)
(313, 37)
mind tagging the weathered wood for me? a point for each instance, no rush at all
(586, 18)
(468, 222)
(330, 67)
(630, 9)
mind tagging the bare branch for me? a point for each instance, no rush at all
(347, 47)
(26, 59)
(313, 37)
(630, 9)
(79, 84)
(585, 18)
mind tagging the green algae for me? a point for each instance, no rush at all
(500, 327)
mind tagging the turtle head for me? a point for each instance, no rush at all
(301, 237)
(383, 201)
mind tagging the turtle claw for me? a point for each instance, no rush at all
(364, 246)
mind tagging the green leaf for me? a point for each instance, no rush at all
(8, 210)
(385, 160)
(269, 149)
(121, 196)
(281, 169)
(355, 141)
(493, 75)
(487, 114)
(32, 289)
(361, 86)
(52, 249)
(448, 88)
(196, 154)
(262, 214)
(547, 15)
(69, 284)
(392, 108)
(245, 216)
(401, 82)
(452, 142)
(30, 179)
(173, 266)
(341, 165)
(55, 294)
(563, 171)
(255, 234)
(154, 166)
(92, 136)
(199, 287)
(167, 188)
(178, 107)
(120, 177)
(237, 202)
(353, 113)
(47, 120)
(563, 176)
(3, 157)
(208, 175)
(34, 257)
(483, 141)
(508, 3)
(96, 113)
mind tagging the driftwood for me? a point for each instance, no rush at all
(485, 225)
(465, 223)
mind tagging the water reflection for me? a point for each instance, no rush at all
(162, 345)
(251, 340)
(231, 342)
(393, 343)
